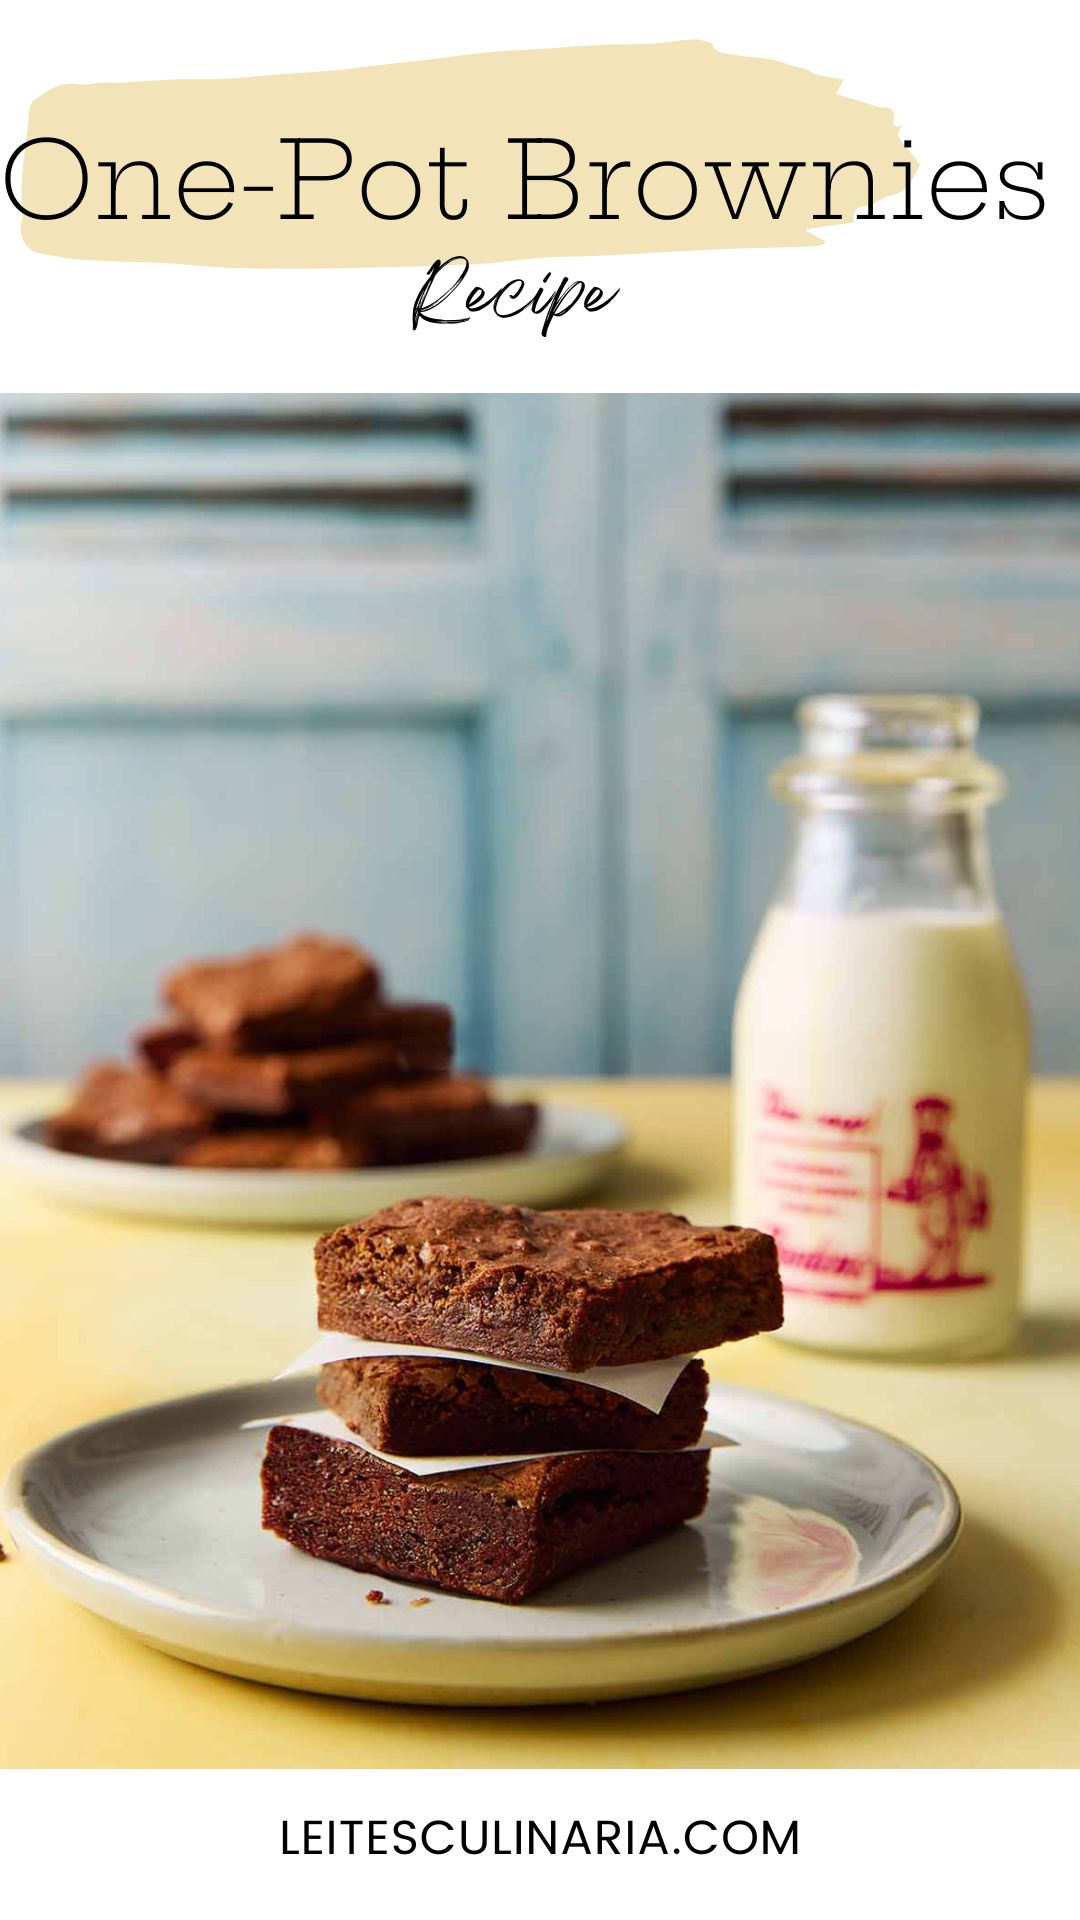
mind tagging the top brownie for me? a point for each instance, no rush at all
(564, 1289)
(307, 990)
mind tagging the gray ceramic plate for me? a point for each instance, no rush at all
(816, 1531)
(573, 1148)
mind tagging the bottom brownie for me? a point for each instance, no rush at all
(498, 1533)
(405, 1405)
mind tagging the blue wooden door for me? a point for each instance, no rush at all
(776, 546)
(270, 663)
(494, 684)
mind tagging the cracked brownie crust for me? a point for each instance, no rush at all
(566, 1289)
(426, 1406)
(498, 1533)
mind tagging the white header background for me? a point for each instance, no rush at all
(982, 305)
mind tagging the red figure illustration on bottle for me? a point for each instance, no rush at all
(952, 1203)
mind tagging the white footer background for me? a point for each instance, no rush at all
(908, 1844)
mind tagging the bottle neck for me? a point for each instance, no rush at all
(890, 859)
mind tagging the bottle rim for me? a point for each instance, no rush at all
(836, 724)
(863, 751)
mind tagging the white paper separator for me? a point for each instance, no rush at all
(332, 1428)
(646, 1382)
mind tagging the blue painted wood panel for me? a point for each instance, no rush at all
(213, 731)
(141, 841)
(1035, 840)
(495, 683)
(736, 603)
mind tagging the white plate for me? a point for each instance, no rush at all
(816, 1531)
(573, 1148)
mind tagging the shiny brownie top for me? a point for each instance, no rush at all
(592, 1246)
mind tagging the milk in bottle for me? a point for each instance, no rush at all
(881, 1042)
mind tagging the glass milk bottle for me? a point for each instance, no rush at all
(881, 1041)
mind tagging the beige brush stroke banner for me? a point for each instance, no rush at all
(683, 101)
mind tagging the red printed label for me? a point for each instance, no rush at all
(833, 1208)
(824, 1200)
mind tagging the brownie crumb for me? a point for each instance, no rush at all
(422, 1602)
(3, 1555)
(376, 1597)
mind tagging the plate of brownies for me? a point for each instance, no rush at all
(507, 1482)
(285, 1087)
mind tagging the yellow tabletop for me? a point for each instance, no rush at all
(99, 1314)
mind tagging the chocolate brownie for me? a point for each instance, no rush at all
(127, 1113)
(448, 1117)
(426, 1406)
(421, 1027)
(497, 1532)
(455, 1093)
(422, 1031)
(161, 1041)
(253, 1149)
(307, 991)
(280, 1083)
(563, 1289)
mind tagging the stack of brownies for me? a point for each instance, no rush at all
(572, 1295)
(289, 1057)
